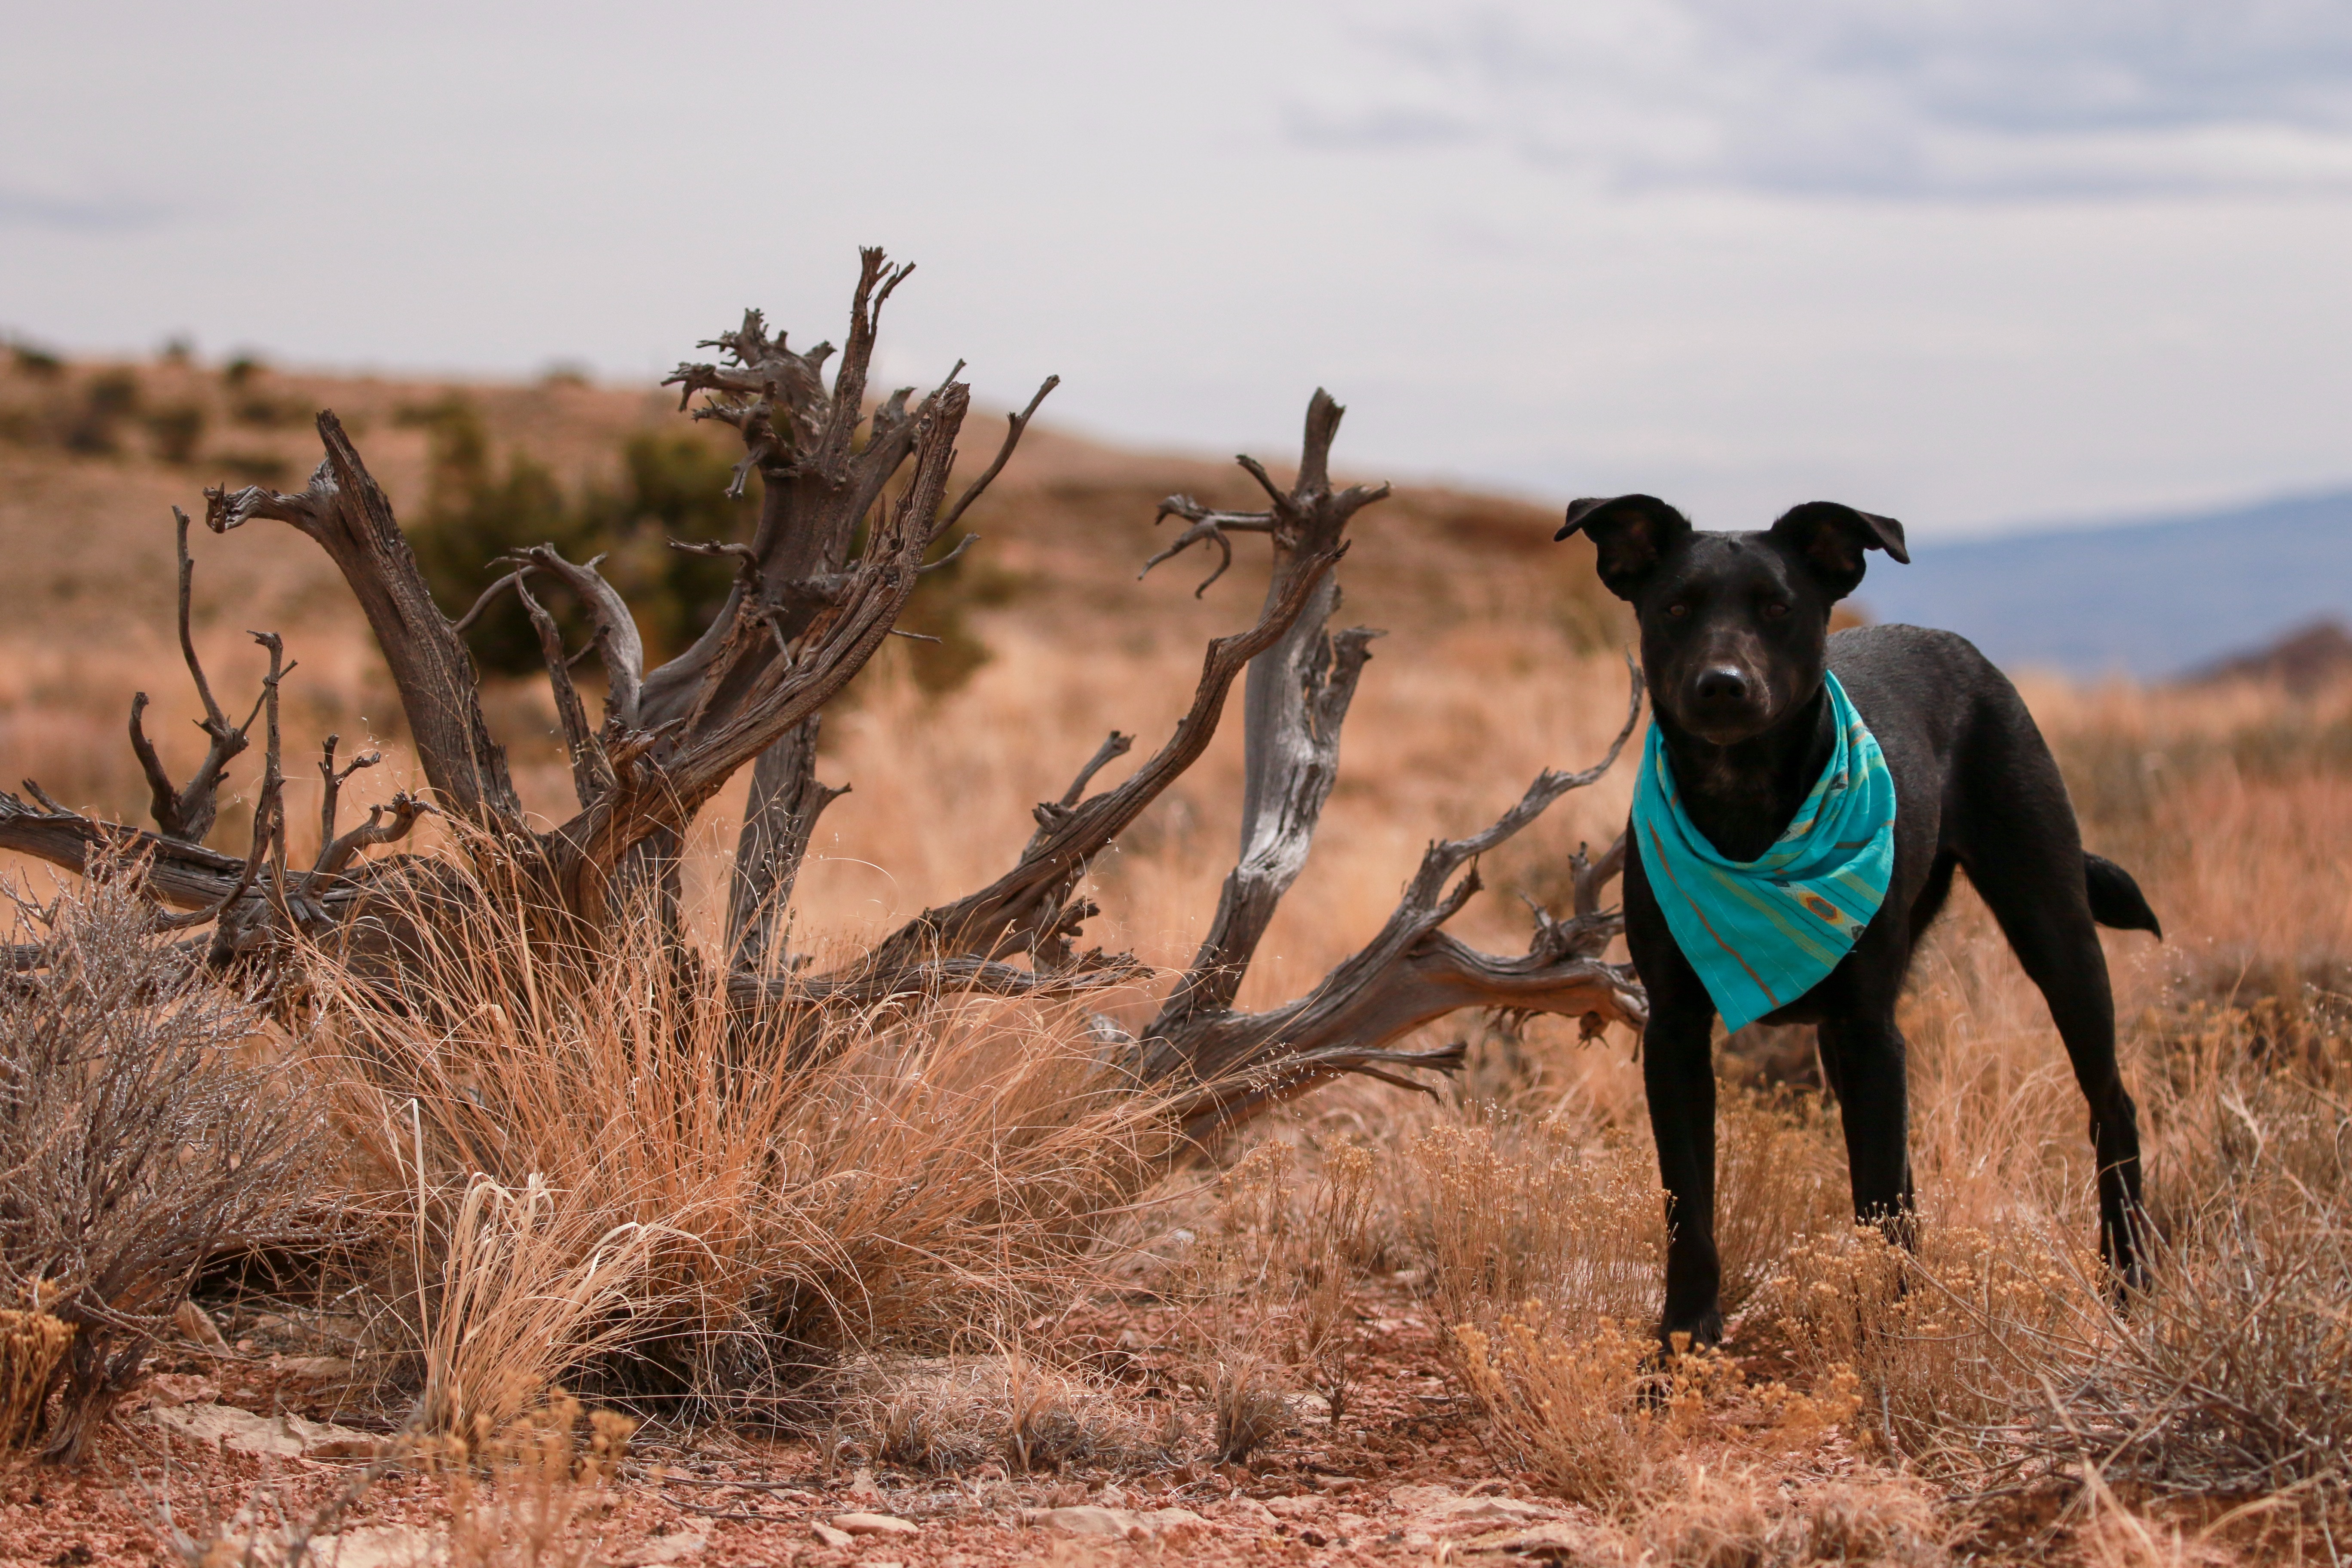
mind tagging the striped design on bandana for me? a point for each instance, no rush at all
(1762, 933)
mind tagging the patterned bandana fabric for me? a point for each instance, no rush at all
(1763, 932)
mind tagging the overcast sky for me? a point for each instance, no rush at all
(1966, 261)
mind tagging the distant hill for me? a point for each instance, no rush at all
(2155, 599)
(2304, 660)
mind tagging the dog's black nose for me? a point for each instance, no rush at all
(1722, 687)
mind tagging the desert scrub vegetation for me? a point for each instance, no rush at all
(141, 1136)
(590, 1172)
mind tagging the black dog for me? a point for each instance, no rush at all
(1735, 638)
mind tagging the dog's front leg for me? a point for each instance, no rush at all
(1678, 1072)
(1867, 1060)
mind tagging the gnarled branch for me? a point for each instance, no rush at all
(187, 813)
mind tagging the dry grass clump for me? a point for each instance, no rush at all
(2233, 1372)
(1601, 1418)
(958, 1412)
(1549, 1210)
(1940, 1336)
(1780, 1173)
(531, 1494)
(1998, 1352)
(1743, 1518)
(1265, 1295)
(32, 1344)
(594, 1170)
(136, 1139)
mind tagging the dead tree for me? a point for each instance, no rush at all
(852, 502)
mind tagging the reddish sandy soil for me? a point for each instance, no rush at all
(1325, 1491)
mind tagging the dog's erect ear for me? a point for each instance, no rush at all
(1629, 533)
(1831, 538)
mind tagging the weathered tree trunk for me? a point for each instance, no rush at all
(851, 503)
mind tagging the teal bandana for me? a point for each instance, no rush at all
(1763, 932)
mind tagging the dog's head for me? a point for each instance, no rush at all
(1732, 623)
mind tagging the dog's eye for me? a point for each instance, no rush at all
(1678, 611)
(1775, 610)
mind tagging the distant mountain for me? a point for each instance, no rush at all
(2304, 660)
(2154, 599)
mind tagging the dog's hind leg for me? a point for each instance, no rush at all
(2028, 864)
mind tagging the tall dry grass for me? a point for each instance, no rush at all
(588, 1170)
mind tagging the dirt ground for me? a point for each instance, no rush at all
(1405, 1475)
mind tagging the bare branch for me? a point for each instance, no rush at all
(1018, 423)
(1588, 877)
(332, 788)
(188, 876)
(404, 811)
(935, 977)
(779, 821)
(1293, 711)
(618, 646)
(188, 813)
(1207, 524)
(592, 776)
(488, 597)
(1407, 976)
(346, 512)
(950, 559)
(981, 922)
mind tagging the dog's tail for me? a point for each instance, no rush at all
(2116, 898)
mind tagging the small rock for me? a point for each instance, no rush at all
(182, 1388)
(1248, 1509)
(1552, 1542)
(826, 1535)
(194, 1324)
(1170, 1520)
(314, 1368)
(380, 1546)
(675, 1547)
(225, 1426)
(1294, 1507)
(1117, 1523)
(874, 1524)
(1469, 1510)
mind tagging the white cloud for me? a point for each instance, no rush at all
(2007, 98)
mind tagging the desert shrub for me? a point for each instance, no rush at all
(1007, 1407)
(1779, 1175)
(1940, 1336)
(31, 359)
(95, 425)
(475, 514)
(136, 1139)
(1509, 1210)
(177, 430)
(1600, 1418)
(600, 1174)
